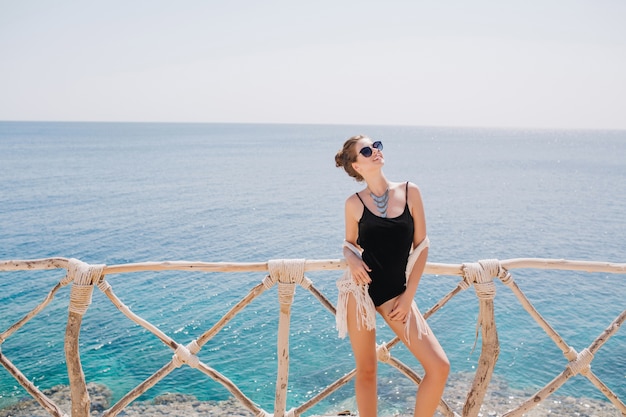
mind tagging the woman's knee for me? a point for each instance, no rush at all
(438, 366)
(366, 370)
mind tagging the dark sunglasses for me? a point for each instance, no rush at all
(368, 151)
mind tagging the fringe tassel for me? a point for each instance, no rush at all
(365, 309)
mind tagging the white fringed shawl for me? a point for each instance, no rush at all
(366, 311)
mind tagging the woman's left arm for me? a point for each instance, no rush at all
(419, 234)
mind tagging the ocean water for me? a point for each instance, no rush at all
(131, 192)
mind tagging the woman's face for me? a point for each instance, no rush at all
(369, 154)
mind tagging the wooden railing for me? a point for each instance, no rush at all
(287, 274)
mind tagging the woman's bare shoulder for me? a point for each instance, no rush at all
(353, 201)
(354, 206)
(414, 199)
(414, 191)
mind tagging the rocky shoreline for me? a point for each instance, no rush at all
(498, 400)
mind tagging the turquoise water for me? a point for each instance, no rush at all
(119, 193)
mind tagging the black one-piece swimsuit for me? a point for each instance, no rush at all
(386, 244)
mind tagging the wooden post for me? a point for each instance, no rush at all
(482, 275)
(285, 292)
(84, 277)
(79, 394)
(287, 273)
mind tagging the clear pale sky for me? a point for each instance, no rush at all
(533, 63)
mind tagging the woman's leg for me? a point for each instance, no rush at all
(363, 343)
(432, 357)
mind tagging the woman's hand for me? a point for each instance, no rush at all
(401, 308)
(359, 270)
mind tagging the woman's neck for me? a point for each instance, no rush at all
(378, 184)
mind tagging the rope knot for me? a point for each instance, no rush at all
(482, 274)
(104, 285)
(491, 267)
(183, 355)
(287, 270)
(193, 347)
(464, 283)
(382, 353)
(505, 276)
(83, 277)
(306, 283)
(286, 292)
(582, 362)
(485, 290)
(288, 273)
(268, 282)
(69, 277)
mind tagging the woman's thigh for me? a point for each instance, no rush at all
(363, 341)
(425, 347)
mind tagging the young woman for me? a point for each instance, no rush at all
(386, 247)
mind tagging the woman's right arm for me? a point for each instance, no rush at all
(358, 268)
